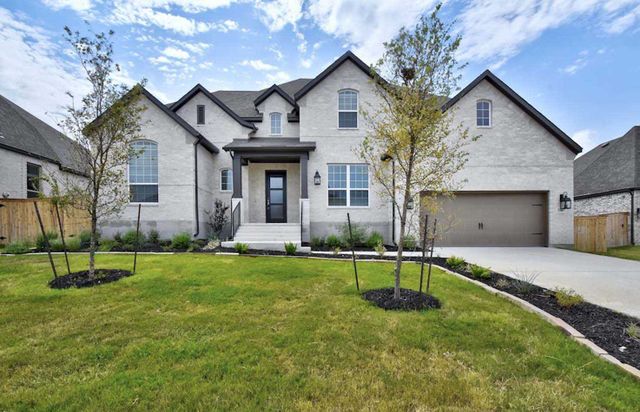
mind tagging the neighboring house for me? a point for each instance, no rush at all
(607, 180)
(29, 150)
(284, 159)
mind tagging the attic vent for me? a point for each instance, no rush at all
(605, 145)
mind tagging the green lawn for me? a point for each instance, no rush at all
(625, 252)
(201, 332)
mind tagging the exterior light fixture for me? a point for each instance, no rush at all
(565, 201)
(410, 204)
(317, 179)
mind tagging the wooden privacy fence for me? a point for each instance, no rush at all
(18, 220)
(597, 233)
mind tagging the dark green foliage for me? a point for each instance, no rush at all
(290, 248)
(479, 271)
(41, 240)
(154, 237)
(409, 242)
(455, 262)
(17, 248)
(132, 238)
(241, 248)
(85, 238)
(107, 245)
(333, 241)
(358, 234)
(117, 237)
(181, 241)
(317, 242)
(374, 239)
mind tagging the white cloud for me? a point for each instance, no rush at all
(306, 63)
(259, 65)
(624, 22)
(278, 13)
(586, 138)
(277, 52)
(159, 60)
(278, 77)
(32, 73)
(76, 5)
(577, 64)
(175, 52)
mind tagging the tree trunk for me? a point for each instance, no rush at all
(92, 246)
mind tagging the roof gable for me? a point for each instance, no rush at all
(198, 88)
(348, 56)
(521, 103)
(274, 89)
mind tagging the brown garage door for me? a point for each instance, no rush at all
(493, 219)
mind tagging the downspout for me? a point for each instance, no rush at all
(197, 215)
(632, 214)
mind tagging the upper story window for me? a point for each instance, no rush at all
(143, 172)
(33, 180)
(347, 109)
(226, 180)
(348, 185)
(276, 123)
(483, 113)
(200, 115)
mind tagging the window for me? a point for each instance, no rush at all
(276, 123)
(143, 173)
(226, 180)
(348, 185)
(483, 113)
(200, 115)
(348, 109)
(33, 180)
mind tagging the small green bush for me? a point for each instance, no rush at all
(455, 262)
(380, 249)
(333, 241)
(479, 272)
(85, 238)
(181, 241)
(337, 250)
(73, 244)
(41, 241)
(409, 242)
(135, 239)
(154, 237)
(633, 331)
(317, 242)
(567, 298)
(375, 239)
(358, 234)
(17, 248)
(117, 237)
(107, 245)
(241, 248)
(290, 248)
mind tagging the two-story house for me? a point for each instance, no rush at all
(284, 159)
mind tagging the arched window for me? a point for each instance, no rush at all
(226, 180)
(483, 113)
(276, 123)
(143, 172)
(347, 109)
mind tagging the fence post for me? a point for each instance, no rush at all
(64, 244)
(424, 245)
(135, 253)
(46, 240)
(433, 243)
(353, 253)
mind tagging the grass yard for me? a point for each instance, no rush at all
(202, 332)
(625, 252)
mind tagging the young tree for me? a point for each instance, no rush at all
(104, 122)
(412, 144)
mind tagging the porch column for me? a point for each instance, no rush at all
(304, 191)
(237, 176)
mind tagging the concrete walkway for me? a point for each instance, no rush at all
(606, 281)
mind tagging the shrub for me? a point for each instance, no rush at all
(567, 298)
(17, 248)
(480, 272)
(409, 242)
(134, 239)
(633, 331)
(217, 219)
(181, 241)
(107, 245)
(241, 248)
(85, 238)
(317, 242)
(117, 237)
(337, 250)
(358, 234)
(290, 248)
(380, 249)
(333, 241)
(41, 241)
(374, 239)
(154, 237)
(524, 282)
(73, 244)
(455, 262)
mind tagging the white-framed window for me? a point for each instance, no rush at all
(348, 185)
(226, 180)
(34, 172)
(276, 123)
(483, 113)
(143, 172)
(347, 109)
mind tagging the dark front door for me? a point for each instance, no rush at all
(276, 196)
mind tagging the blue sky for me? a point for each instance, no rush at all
(578, 61)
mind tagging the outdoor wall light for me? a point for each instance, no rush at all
(317, 179)
(565, 201)
(410, 204)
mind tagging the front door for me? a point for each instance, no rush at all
(276, 196)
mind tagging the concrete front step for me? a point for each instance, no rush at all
(266, 245)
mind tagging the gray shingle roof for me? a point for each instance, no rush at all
(269, 144)
(24, 133)
(611, 166)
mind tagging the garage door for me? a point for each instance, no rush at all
(493, 219)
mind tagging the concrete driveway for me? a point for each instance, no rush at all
(605, 281)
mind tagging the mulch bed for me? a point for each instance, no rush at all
(82, 279)
(602, 326)
(409, 299)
